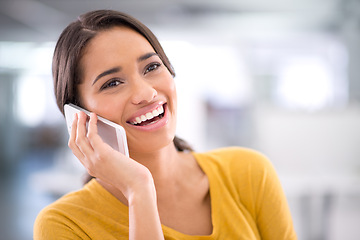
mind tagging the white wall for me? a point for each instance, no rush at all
(325, 142)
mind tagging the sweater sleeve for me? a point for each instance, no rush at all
(273, 216)
(49, 224)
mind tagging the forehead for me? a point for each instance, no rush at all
(117, 40)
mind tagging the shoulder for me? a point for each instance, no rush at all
(64, 205)
(83, 215)
(235, 157)
(60, 215)
(55, 220)
(238, 164)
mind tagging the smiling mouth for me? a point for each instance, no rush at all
(150, 117)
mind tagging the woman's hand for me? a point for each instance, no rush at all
(102, 161)
(133, 179)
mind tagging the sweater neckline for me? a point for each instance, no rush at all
(124, 208)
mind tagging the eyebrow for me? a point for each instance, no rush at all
(118, 69)
(146, 56)
(107, 72)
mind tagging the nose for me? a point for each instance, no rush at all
(143, 91)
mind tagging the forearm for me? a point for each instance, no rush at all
(144, 220)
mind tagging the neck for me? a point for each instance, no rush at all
(169, 168)
(161, 163)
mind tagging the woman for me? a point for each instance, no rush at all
(112, 65)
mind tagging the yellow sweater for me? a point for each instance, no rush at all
(247, 202)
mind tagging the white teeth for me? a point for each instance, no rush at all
(149, 115)
(155, 113)
(160, 109)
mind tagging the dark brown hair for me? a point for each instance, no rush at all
(74, 39)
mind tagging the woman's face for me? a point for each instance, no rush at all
(125, 81)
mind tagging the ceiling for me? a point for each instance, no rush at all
(43, 20)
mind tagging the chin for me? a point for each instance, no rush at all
(154, 144)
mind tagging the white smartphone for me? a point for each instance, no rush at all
(110, 132)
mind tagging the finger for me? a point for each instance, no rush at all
(81, 124)
(93, 135)
(81, 139)
(71, 143)
(92, 130)
(73, 129)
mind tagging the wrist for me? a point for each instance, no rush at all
(142, 191)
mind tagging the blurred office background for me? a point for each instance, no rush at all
(279, 76)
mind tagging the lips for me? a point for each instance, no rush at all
(149, 116)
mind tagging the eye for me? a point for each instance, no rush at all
(111, 83)
(151, 67)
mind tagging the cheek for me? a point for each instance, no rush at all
(109, 108)
(170, 88)
(94, 104)
(173, 92)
